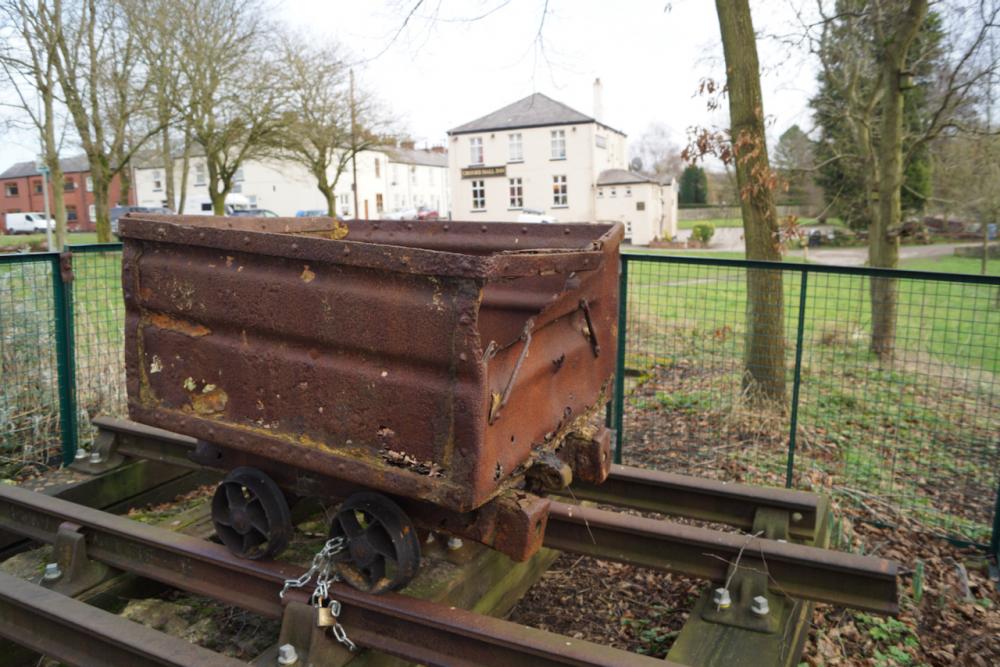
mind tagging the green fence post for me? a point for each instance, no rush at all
(62, 293)
(797, 380)
(619, 409)
(995, 540)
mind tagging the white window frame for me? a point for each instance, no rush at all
(560, 192)
(628, 190)
(515, 146)
(558, 141)
(614, 192)
(200, 174)
(90, 184)
(92, 212)
(476, 154)
(516, 192)
(238, 175)
(478, 195)
(157, 181)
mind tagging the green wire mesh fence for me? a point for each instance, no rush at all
(909, 435)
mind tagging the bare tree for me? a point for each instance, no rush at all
(236, 90)
(318, 133)
(28, 68)
(658, 152)
(102, 80)
(869, 51)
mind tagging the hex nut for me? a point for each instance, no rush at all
(287, 655)
(52, 572)
(95, 456)
(455, 543)
(759, 606)
(721, 598)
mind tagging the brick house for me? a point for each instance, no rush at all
(21, 191)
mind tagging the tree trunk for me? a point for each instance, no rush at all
(99, 175)
(331, 199)
(168, 168)
(185, 171)
(125, 181)
(55, 187)
(883, 237)
(764, 373)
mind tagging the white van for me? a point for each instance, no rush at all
(202, 205)
(27, 223)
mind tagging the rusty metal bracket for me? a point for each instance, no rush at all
(498, 401)
(104, 454)
(77, 572)
(66, 267)
(591, 331)
(311, 644)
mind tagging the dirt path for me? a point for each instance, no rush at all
(858, 256)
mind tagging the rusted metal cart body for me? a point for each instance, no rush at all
(434, 361)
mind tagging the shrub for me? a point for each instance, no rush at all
(703, 232)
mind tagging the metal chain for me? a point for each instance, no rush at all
(322, 566)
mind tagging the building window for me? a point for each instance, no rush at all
(628, 229)
(10, 189)
(476, 150)
(343, 200)
(516, 147)
(640, 206)
(600, 193)
(379, 206)
(628, 190)
(71, 213)
(559, 194)
(413, 175)
(378, 170)
(92, 211)
(199, 174)
(69, 185)
(558, 144)
(516, 193)
(614, 192)
(157, 181)
(478, 195)
(90, 184)
(38, 187)
(238, 175)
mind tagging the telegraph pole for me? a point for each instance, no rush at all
(354, 152)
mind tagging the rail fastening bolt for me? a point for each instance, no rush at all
(52, 572)
(721, 598)
(454, 543)
(287, 655)
(95, 456)
(81, 454)
(759, 606)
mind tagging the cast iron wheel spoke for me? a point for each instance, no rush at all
(258, 517)
(384, 534)
(234, 495)
(380, 541)
(251, 515)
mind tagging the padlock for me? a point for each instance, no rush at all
(325, 617)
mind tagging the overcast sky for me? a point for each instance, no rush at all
(443, 70)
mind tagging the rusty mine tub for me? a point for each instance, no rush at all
(437, 362)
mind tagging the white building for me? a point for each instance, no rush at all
(388, 179)
(540, 154)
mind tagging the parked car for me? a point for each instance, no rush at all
(118, 211)
(427, 213)
(312, 213)
(254, 213)
(534, 215)
(27, 223)
(401, 214)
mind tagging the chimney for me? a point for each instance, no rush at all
(437, 149)
(407, 145)
(598, 109)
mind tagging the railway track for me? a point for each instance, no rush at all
(775, 553)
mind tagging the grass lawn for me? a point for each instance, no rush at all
(75, 238)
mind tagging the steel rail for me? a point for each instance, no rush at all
(822, 575)
(75, 633)
(403, 626)
(807, 572)
(704, 499)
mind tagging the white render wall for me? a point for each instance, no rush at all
(288, 188)
(584, 161)
(658, 220)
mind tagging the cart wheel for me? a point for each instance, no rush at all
(383, 552)
(251, 515)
